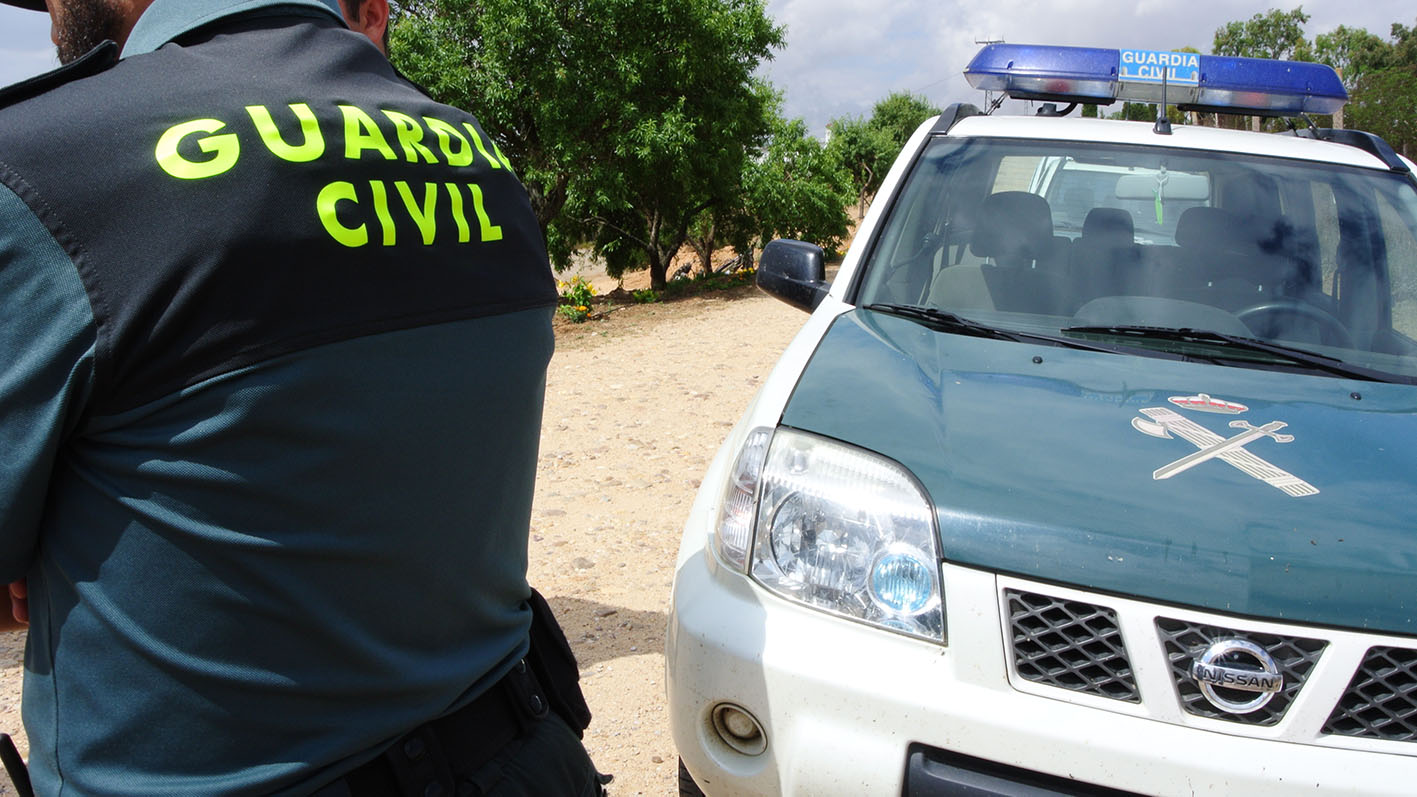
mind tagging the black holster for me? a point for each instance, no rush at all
(554, 664)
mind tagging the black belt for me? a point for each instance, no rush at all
(431, 759)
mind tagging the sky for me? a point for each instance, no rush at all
(842, 56)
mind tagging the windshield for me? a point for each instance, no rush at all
(1043, 236)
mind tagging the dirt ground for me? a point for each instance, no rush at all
(637, 403)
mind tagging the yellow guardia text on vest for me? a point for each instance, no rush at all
(386, 209)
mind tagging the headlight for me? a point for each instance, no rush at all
(734, 530)
(840, 529)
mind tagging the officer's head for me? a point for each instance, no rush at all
(77, 26)
(369, 17)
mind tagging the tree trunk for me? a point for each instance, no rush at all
(547, 200)
(658, 263)
(658, 272)
(861, 200)
(704, 246)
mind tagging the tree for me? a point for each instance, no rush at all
(795, 190)
(863, 152)
(1353, 52)
(1135, 112)
(899, 114)
(1404, 45)
(530, 78)
(1385, 103)
(867, 148)
(1274, 34)
(1362, 59)
(625, 118)
(791, 188)
(682, 138)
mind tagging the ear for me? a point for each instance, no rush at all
(373, 21)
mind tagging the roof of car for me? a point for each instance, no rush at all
(1208, 139)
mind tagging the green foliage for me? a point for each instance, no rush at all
(490, 56)
(576, 298)
(794, 189)
(898, 115)
(865, 149)
(1379, 74)
(864, 152)
(685, 129)
(625, 118)
(1145, 112)
(710, 282)
(1354, 52)
(1385, 103)
(1404, 46)
(1273, 34)
(646, 296)
(1135, 112)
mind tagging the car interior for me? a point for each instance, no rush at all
(1052, 234)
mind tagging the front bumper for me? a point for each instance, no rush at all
(843, 705)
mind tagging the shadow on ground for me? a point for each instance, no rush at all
(600, 632)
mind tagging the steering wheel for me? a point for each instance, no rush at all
(1340, 336)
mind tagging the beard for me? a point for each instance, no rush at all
(81, 25)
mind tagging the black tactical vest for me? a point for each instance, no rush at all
(261, 186)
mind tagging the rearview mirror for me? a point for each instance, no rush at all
(1174, 185)
(795, 272)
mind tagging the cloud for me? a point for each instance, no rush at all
(18, 64)
(844, 55)
(25, 49)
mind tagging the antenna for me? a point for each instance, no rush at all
(1163, 124)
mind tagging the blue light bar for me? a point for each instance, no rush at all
(1192, 82)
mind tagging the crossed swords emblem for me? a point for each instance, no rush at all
(1165, 423)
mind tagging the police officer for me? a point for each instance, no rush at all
(276, 328)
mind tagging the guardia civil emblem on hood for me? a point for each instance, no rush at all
(1162, 422)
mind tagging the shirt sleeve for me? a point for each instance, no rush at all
(47, 338)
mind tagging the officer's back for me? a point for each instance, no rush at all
(281, 411)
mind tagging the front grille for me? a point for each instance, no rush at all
(1076, 643)
(1184, 642)
(1381, 700)
(1070, 644)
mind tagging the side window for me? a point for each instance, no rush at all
(1016, 173)
(1401, 244)
(1326, 227)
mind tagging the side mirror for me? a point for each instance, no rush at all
(795, 272)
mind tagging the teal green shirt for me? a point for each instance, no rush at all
(254, 580)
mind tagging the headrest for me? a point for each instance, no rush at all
(1215, 229)
(1015, 228)
(1250, 196)
(1109, 227)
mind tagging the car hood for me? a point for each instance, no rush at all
(1049, 463)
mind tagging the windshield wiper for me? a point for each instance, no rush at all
(945, 321)
(1283, 354)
